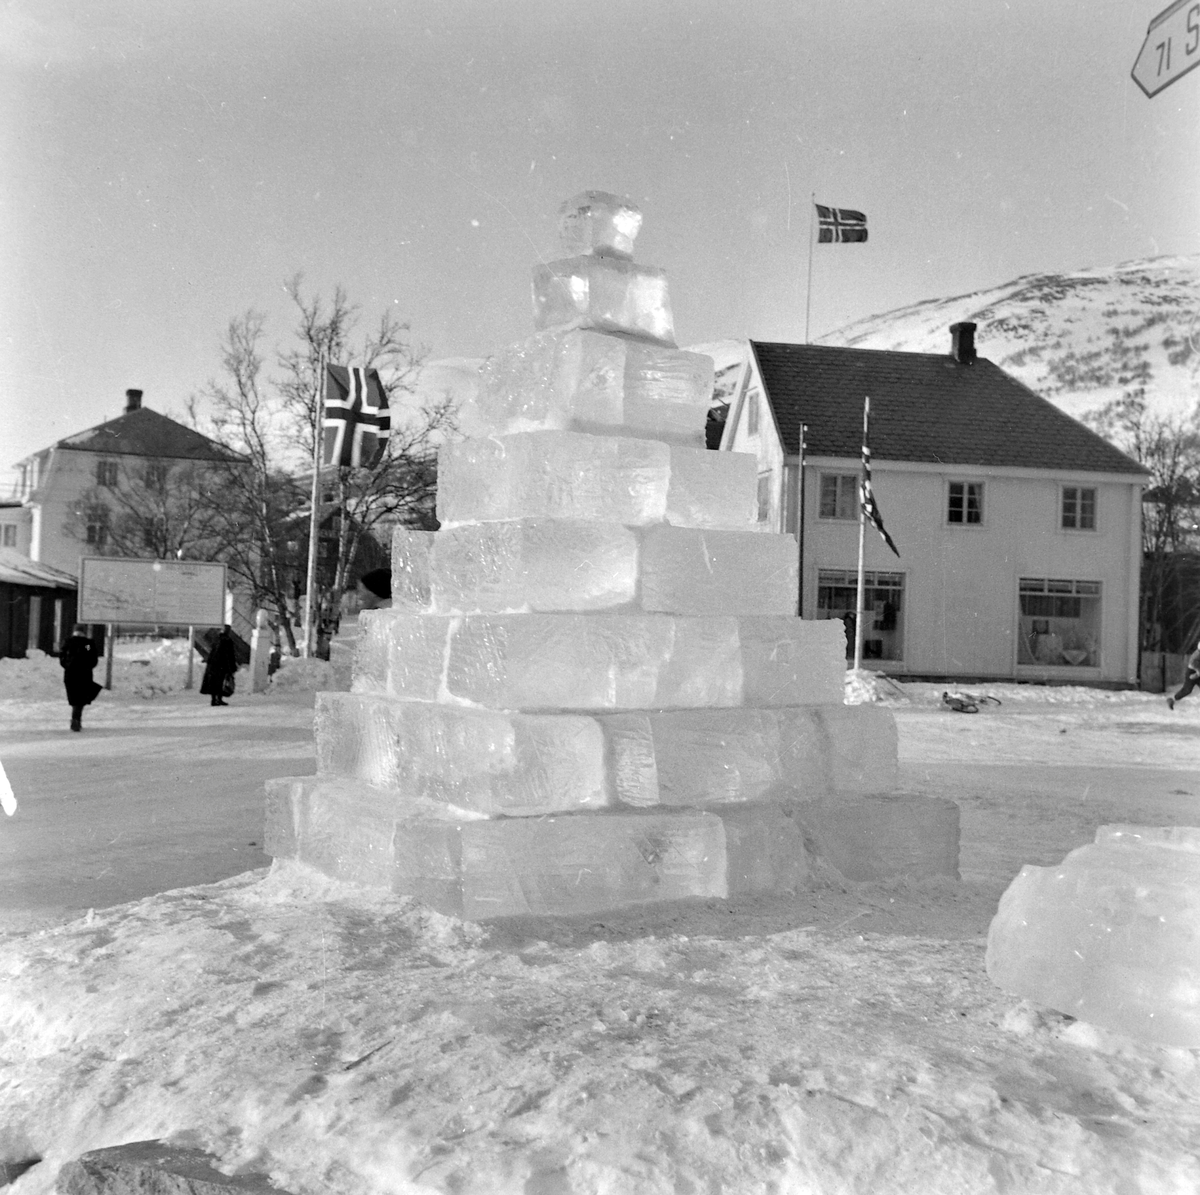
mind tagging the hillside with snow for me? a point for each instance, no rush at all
(1078, 339)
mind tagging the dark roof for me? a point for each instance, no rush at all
(924, 407)
(147, 433)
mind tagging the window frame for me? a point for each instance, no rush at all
(1079, 491)
(107, 473)
(965, 509)
(855, 481)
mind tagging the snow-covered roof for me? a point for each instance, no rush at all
(16, 569)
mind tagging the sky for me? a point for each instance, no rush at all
(169, 165)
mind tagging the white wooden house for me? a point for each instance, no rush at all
(1019, 529)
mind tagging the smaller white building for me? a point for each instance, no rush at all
(1019, 529)
(70, 494)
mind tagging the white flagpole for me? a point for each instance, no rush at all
(862, 530)
(314, 525)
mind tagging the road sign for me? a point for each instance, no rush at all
(152, 592)
(1171, 48)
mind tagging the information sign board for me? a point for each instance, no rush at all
(1171, 48)
(163, 592)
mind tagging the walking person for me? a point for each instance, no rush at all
(222, 664)
(1190, 680)
(78, 658)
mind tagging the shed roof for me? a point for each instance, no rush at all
(147, 433)
(16, 569)
(924, 407)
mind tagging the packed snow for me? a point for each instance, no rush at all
(839, 1039)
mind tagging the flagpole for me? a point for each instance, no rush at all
(862, 530)
(314, 525)
(812, 210)
(800, 522)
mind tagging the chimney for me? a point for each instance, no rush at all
(133, 400)
(962, 343)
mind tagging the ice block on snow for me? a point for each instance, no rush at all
(497, 867)
(598, 222)
(711, 758)
(608, 294)
(592, 382)
(486, 761)
(606, 661)
(610, 478)
(1111, 935)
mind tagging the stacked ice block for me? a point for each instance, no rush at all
(591, 690)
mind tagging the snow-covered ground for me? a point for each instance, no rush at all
(842, 1039)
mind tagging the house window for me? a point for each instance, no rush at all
(965, 502)
(106, 473)
(10, 535)
(156, 475)
(839, 496)
(1060, 622)
(883, 609)
(97, 528)
(764, 497)
(1079, 508)
(752, 413)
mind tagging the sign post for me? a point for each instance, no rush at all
(1171, 48)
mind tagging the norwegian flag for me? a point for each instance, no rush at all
(840, 224)
(869, 507)
(357, 422)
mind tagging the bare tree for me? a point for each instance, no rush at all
(1170, 449)
(272, 422)
(400, 489)
(156, 506)
(257, 497)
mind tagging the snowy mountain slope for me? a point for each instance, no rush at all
(1078, 339)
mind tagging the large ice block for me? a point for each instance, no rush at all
(615, 479)
(534, 564)
(884, 835)
(1111, 935)
(608, 294)
(711, 758)
(598, 222)
(481, 760)
(606, 661)
(579, 564)
(592, 382)
(691, 571)
(499, 867)
(411, 551)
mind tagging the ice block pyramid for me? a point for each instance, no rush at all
(1111, 935)
(591, 690)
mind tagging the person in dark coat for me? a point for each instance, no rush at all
(1190, 680)
(222, 664)
(78, 658)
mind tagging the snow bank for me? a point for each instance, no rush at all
(296, 674)
(144, 669)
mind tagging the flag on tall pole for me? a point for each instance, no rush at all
(840, 225)
(869, 506)
(357, 422)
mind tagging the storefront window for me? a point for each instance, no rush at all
(883, 603)
(1060, 622)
